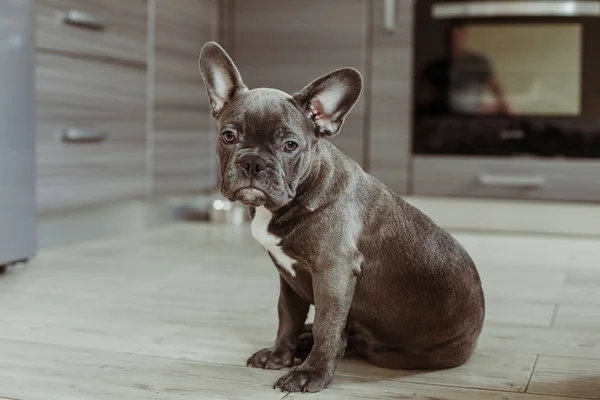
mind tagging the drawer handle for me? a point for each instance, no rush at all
(83, 19)
(389, 15)
(522, 181)
(81, 135)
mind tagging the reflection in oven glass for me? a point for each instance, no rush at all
(511, 69)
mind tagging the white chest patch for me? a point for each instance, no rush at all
(268, 241)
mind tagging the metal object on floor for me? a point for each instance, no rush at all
(221, 210)
(212, 207)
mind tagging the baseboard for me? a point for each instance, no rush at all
(511, 216)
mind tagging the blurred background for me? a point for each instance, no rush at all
(103, 103)
(484, 114)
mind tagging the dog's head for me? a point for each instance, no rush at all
(267, 137)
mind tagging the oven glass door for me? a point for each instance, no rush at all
(489, 84)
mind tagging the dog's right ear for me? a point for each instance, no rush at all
(221, 78)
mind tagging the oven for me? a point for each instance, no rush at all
(507, 78)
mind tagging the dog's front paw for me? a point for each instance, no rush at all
(304, 379)
(271, 358)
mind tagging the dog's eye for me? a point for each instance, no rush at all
(228, 137)
(290, 146)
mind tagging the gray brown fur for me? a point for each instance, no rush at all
(387, 283)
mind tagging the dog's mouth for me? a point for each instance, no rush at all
(250, 197)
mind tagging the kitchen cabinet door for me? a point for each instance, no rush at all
(184, 133)
(287, 44)
(390, 107)
(91, 132)
(91, 102)
(107, 30)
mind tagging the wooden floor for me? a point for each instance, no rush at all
(174, 313)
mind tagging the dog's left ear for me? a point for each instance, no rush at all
(330, 98)
(221, 77)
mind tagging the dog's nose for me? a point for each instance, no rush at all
(253, 164)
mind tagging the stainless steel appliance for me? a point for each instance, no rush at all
(507, 78)
(17, 132)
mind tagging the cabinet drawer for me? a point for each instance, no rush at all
(97, 98)
(507, 178)
(112, 29)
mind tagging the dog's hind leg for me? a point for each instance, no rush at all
(305, 342)
(447, 355)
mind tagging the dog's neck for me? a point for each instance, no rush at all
(315, 188)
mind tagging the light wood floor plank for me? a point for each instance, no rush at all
(46, 372)
(175, 312)
(233, 344)
(585, 280)
(544, 341)
(578, 318)
(536, 285)
(493, 371)
(526, 252)
(526, 313)
(571, 377)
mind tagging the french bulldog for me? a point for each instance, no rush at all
(388, 284)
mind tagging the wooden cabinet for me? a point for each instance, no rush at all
(390, 93)
(287, 44)
(91, 84)
(517, 178)
(103, 99)
(147, 112)
(184, 133)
